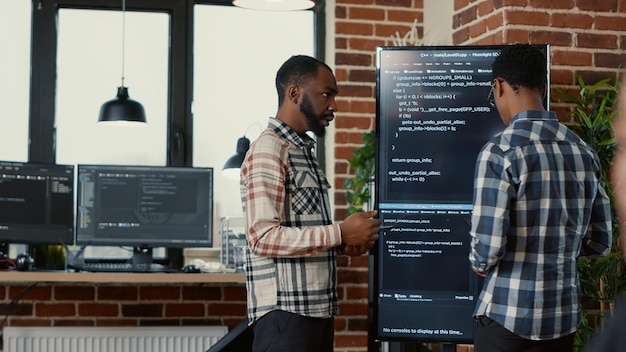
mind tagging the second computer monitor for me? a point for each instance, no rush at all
(144, 206)
(36, 203)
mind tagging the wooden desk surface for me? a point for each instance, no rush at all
(87, 277)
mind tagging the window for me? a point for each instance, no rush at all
(89, 70)
(77, 67)
(14, 74)
(236, 55)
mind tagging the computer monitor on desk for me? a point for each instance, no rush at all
(144, 207)
(36, 203)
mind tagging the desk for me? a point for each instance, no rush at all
(132, 278)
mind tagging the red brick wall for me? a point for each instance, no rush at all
(124, 305)
(587, 37)
(361, 26)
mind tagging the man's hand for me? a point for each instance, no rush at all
(479, 273)
(355, 251)
(360, 230)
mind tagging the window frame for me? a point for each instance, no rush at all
(43, 78)
(179, 144)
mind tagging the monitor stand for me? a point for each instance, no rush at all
(142, 255)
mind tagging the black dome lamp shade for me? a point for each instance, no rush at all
(232, 167)
(122, 108)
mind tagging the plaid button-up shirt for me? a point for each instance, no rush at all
(291, 257)
(539, 203)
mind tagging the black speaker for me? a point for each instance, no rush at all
(24, 262)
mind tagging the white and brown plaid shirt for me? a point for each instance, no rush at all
(291, 256)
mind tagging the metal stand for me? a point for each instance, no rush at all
(402, 346)
(449, 347)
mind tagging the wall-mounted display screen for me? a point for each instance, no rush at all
(432, 119)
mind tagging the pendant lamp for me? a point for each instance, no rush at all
(232, 167)
(122, 108)
(275, 5)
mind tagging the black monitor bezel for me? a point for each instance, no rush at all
(374, 258)
(92, 240)
(48, 233)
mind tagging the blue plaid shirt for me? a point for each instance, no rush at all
(539, 204)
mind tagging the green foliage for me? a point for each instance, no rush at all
(53, 254)
(584, 332)
(609, 269)
(362, 163)
(593, 111)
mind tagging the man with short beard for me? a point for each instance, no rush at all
(291, 270)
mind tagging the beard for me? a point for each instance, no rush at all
(312, 119)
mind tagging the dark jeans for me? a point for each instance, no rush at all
(280, 331)
(493, 337)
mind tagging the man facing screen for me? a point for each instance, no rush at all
(539, 204)
(291, 270)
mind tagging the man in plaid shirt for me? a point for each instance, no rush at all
(291, 273)
(539, 204)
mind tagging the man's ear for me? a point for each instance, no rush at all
(293, 92)
(498, 88)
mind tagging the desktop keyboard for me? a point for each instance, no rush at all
(121, 268)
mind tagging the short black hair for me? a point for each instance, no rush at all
(296, 70)
(521, 65)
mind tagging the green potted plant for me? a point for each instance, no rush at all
(602, 279)
(362, 163)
